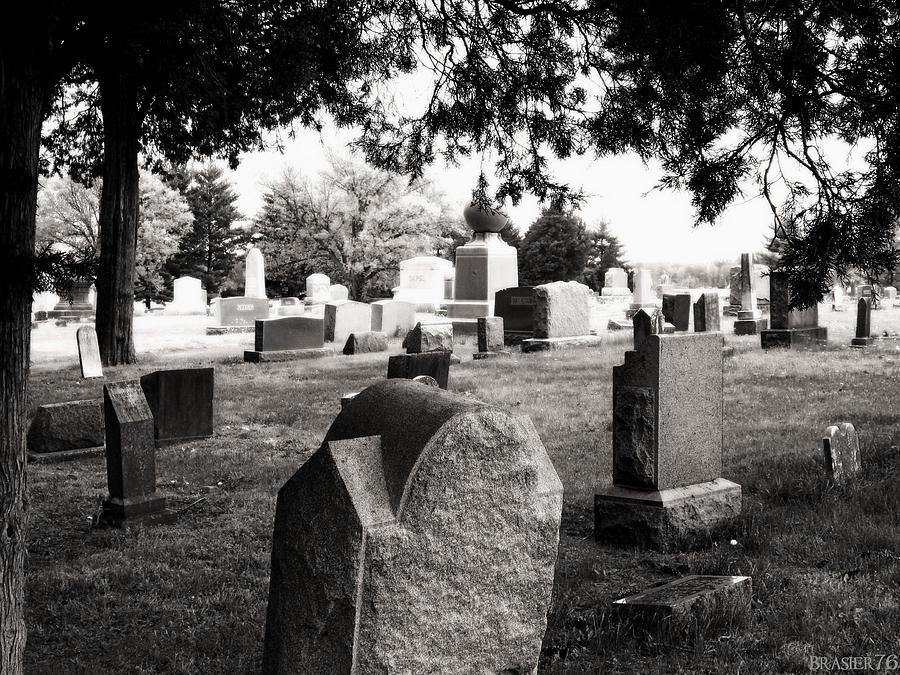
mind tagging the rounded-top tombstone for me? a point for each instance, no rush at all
(255, 275)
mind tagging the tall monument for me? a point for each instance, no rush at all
(485, 265)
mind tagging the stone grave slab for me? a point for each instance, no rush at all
(318, 289)
(727, 598)
(516, 307)
(790, 327)
(181, 401)
(676, 309)
(365, 343)
(368, 535)
(241, 311)
(393, 317)
(345, 317)
(429, 337)
(67, 430)
(863, 323)
(562, 309)
(288, 338)
(707, 317)
(841, 449)
(433, 364)
(490, 338)
(88, 352)
(749, 319)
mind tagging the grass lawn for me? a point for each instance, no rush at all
(191, 597)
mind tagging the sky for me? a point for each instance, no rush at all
(654, 225)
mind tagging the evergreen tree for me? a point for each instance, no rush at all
(208, 250)
(555, 248)
(605, 251)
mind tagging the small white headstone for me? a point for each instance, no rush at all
(89, 352)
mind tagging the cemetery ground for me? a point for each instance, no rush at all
(190, 597)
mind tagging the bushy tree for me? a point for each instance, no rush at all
(354, 223)
(604, 251)
(209, 248)
(555, 248)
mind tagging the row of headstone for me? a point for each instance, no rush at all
(790, 326)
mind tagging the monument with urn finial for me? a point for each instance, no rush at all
(485, 265)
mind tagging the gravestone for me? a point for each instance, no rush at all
(837, 295)
(181, 402)
(365, 343)
(130, 455)
(338, 292)
(643, 291)
(241, 311)
(290, 307)
(318, 289)
(726, 600)
(393, 317)
(863, 323)
(88, 352)
(420, 538)
(706, 313)
(516, 307)
(423, 282)
(77, 306)
(490, 338)
(71, 425)
(288, 338)
(865, 291)
(667, 487)
(676, 310)
(790, 327)
(343, 318)
(615, 283)
(734, 286)
(188, 297)
(562, 317)
(890, 294)
(749, 321)
(255, 274)
(430, 337)
(841, 448)
(647, 321)
(409, 366)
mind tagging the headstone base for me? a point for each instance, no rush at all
(726, 599)
(65, 455)
(479, 356)
(861, 342)
(774, 338)
(224, 330)
(275, 355)
(146, 509)
(71, 314)
(665, 520)
(469, 309)
(617, 324)
(750, 326)
(553, 344)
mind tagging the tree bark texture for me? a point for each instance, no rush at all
(21, 113)
(118, 217)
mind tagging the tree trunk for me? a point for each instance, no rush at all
(118, 217)
(21, 112)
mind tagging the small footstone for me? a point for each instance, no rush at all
(429, 338)
(365, 343)
(716, 600)
(433, 364)
(71, 425)
(841, 448)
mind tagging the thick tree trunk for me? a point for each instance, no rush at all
(21, 102)
(118, 218)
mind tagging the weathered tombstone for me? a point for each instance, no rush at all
(720, 600)
(409, 366)
(88, 352)
(393, 317)
(615, 283)
(647, 321)
(734, 286)
(255, 274)
(343, 318)
(841, 448)
(188, 297)
(562, 317)
(318, 289)
(667, 487)
(288, 338)
(430, 337)
(423, 282)
(706, 313)
(790, 327)
(338, 292)
(750, 321)
(181, 402)
(241, 311)
(676, 309)
(67, 426)
(490, 338)
(516, 307)
(130, 455)
(863, 323)
(367, 570)
(365, 343)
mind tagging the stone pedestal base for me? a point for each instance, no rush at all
(549, 344)
(749, 326)
(146, 509)
(253, 356)
(65, 455)
(667, 519)
(224, 330)
(793, 337)
(478, 356)
(861, 342)
(71, 314)
(468, 309)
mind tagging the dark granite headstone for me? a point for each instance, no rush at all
(706, 313)
(676, 310)
(289, 332)
(490, 334)
(724, 598)
(365, 343)
(89, 352)
(408, 366)
(67, 426)
(863, 323)
(841, 448)
(130, 453)
(181, 402)
(516, 307)
(241, 311)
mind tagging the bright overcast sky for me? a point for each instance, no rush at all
(653, 225)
